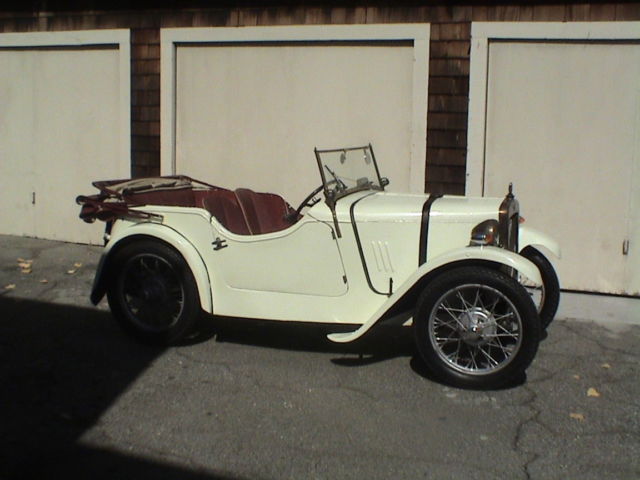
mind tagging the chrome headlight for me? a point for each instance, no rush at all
(485, 233)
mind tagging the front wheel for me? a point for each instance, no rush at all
(547, 296)
(152, 292)
(476, 327)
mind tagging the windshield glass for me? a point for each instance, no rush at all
(347, 170)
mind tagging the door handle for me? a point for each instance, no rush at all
(219, 243)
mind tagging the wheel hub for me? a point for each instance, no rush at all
(476, 326)
(153, 290)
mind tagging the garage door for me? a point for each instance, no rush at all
(64, 122)
(563, 123)
(249, 110)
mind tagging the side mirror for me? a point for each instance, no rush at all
(384, 181)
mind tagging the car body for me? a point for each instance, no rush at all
(360, 256)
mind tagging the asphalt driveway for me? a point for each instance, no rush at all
(242, 400)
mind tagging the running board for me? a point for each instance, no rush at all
(403, 318)
(347, 336)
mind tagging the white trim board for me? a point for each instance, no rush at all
(482, 33)
(418, 34)
(119, 39)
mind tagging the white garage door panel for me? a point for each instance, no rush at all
(62, 126)
(562, 124)
(16, 150)
(633, 269)
(251, 115)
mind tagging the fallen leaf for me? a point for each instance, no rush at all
(577, 416)
(77, 265)
(25, 265)
(577, 377)
(605, 365)
(44, 280)
(11, 286)
(71, 272)
(592, 392)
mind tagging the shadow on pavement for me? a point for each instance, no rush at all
(61, 367)
(381, 343)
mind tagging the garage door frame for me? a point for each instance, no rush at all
(418, 34)
(119, 39)
(482, 34)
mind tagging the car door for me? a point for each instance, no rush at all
(303, 259)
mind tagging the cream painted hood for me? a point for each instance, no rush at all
(381, 207)
(455, 209)
(392, 236)
(385, 207)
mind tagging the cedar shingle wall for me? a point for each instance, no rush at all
(448, 66)
(145, 101)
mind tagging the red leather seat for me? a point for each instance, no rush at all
(224, 205)
(246, 212)
(264, 212)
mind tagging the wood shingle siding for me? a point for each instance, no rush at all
(448, 105)
(448, 94)
(145, 101)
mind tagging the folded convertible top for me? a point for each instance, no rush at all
(117, 197)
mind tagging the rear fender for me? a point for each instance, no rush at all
(454, 258)
(148, 230)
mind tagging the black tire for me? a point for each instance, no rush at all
(469, 317)
(549, 295)
(152, 293)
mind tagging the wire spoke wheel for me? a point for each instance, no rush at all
(151, 292)
(546, 297)
(535, 292)
(475, 329)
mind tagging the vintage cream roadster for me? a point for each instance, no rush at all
(476, 283)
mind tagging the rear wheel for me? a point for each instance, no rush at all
(153, 294)
(476, 327)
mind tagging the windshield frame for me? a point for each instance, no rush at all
(333, 194)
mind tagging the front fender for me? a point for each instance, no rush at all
(531, 237)
(488, 254)
(167, 235)
(458, 256)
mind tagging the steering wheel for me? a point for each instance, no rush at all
(307, 202)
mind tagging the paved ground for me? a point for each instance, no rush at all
(247, 401)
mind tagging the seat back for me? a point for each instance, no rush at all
(224, 205)
(264, 212)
